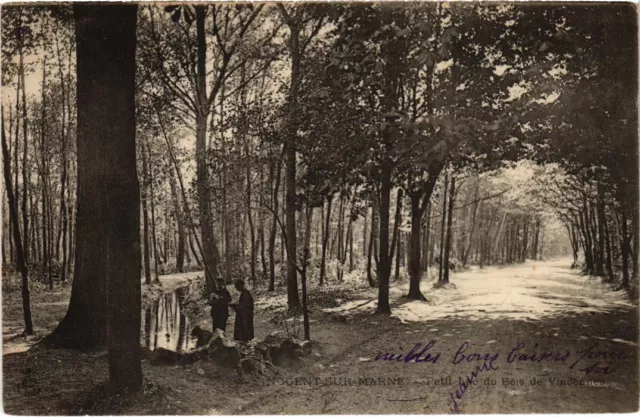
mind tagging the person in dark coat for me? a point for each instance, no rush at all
(219, 303)
(243, 329)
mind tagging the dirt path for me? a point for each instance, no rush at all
(544, 306)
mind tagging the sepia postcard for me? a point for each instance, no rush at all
(263, 208)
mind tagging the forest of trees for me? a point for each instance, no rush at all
(291, 144)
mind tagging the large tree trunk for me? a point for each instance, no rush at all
(210, 251)
(106, 44)
(293, 300)
(384, 268)
(106, 299)
(419, 203)
(415, 270)
(13, 218)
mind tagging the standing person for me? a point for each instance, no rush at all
(243, 329)
(219, 303)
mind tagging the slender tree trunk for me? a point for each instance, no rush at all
(305, 259)
(46, 254)
(145, 218)
(396, 230)
(442, 227)
(274, 223)
(253, 254)
(351, 250)
(13, 217)
(364, 234)
(609, 251)
(372, 238)
(325, 240)
(625, 251)
(447, 245)
(601, 233)
(181, 249)
(427, 240)
(25, 147)
(194, 252)
(525, 241)
(635, 227)
(17, 160)
(63, 175)
(154, 243)
(10, 235)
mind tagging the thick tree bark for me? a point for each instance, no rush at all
(210, 251)
(13, 218)
(106, 44)
(419, 203)
(116, 32)
(293, 300)
(384, 267)
(106, 299)
(415, 270)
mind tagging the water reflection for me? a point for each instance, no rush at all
(164, 324)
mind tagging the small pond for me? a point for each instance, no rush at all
(165, 324)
